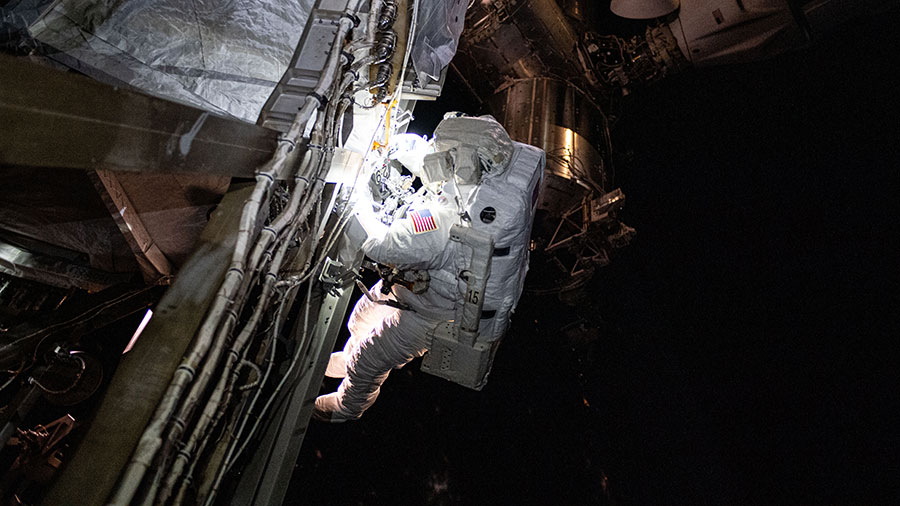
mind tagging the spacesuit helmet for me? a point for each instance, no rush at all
(468, 148)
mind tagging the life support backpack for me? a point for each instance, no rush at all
(503, 207)
(501, 211)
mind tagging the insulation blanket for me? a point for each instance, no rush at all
(224, 56)
(62, 208)
(439, 25)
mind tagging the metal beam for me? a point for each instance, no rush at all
(50, 118)
(154, 265)
(22, 263)
(146, 370)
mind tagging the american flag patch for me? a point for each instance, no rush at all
(422, 221)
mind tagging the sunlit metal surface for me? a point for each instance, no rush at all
(562, 121)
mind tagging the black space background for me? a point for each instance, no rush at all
(743, 350)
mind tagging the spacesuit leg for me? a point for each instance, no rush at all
(395, 341)
(365, 316)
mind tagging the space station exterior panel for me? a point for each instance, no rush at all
(221, 56)
(306, 65)
(177, 210)
(529, 107)
(643, 9)
(710, 32)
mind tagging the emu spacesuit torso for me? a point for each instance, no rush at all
(383, 336)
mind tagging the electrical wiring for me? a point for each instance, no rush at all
(180, 418)
(47, 331)
(262, 378)
(374, 9)
(222, 392)
(223, 314)
(301, 346)
(303, 343)
(255, 368)
(82, 366)
(271, 276)
(385, 75)
(206, 387)
(9, 382)
(223, 388)
(228, 461)
(276, 326)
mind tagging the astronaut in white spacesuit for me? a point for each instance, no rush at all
(390, 329)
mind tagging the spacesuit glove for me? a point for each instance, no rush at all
(370, 220)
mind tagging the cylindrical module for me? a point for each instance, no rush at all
(568, 126)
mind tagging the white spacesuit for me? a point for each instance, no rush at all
(389, 330)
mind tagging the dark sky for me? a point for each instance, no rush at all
(743, 350)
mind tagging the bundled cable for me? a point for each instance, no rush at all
(253, 248)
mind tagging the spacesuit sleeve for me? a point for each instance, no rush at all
(401, 245)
